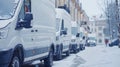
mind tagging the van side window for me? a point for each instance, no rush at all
(20, 17)
(62, 25)
(21, 14)
(27, 5)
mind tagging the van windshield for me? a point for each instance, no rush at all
(91, 38)
(7, 8)
(74, 31)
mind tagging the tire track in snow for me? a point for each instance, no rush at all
(77, 61)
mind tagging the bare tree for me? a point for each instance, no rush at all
(110, 9)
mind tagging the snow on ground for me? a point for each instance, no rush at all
(99, 56)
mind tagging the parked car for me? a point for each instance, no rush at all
(114, 43)
(27, 32)
(63, 33)
(91, 41)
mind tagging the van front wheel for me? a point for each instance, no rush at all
(59, 55)
(48, 62)
(119, 46)
(15, 62)
(68, 53)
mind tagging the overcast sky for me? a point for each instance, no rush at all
(92, 7)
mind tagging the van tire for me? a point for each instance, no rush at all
(59, 55)
(75, 51)
(118, 46)
(15, 62)
(68, 53)
(48, 62)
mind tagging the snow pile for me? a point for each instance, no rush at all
(99, 56)
(77, 61)
(65, 62)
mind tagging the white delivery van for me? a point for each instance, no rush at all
(27, 32)
(75, 40)
(63, 32)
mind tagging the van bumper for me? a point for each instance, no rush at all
(5, 57)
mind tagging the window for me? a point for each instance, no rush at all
(62, 25)
(100, 40)
(99, 28)
(27, 5)
(95, 30)
(21, 14)
(100, 34)
(74, 30)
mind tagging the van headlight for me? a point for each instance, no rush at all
(88, 41)
(3, 34)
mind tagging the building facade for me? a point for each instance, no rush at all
(74, 7)
(92, 25)
(100, 27)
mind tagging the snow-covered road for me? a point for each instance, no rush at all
(99, 56)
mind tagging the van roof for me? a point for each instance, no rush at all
(74, 23)
(61, 12)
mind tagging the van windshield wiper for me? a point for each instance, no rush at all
(2, 19)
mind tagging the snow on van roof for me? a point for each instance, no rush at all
(92, 35)
(62, 13)
(59, 10)
(74, 23)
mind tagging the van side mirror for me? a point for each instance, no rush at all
(28, 16)
(83, 37)
(78, 34)
(27, 20)
(64, 32)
